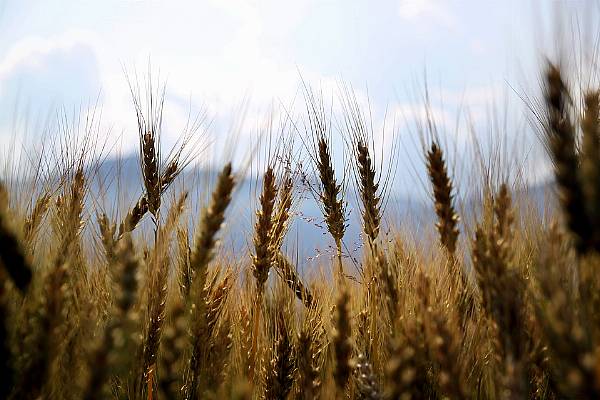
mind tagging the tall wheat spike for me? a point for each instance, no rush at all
(280, 370)
(308, 371)
(157, 292)
(443, 197)
(560, 133)
(263, 257)
(150, 172)
(126, 265)
(211, 221)
(33, 221)
(342, 344)
(330, 192)
(590, 161)
(368, 189)
(332, 198)
(503, 292)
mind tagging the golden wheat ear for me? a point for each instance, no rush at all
(202, 317)
(263, 258)
(367, 382)
(503, 294)
(288, 273)
(328, 192)
(561, 142)
(408, 367)
(447, 224)
(102, 362)
(590, 161)
(150, 172)
(34, 219)
(368, 188)
(107, 236)
(157, 293)
(211, 220)
(133, 217)
(173, 348)
(342, 343)
(279, 374)
(308, 371)
(281, 212)
(209, 341)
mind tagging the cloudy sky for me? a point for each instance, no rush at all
(220, 55)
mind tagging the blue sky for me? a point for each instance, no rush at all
(216, 55)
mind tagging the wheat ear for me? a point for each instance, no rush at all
(368, 190)
(211, 220)
(280, 371)
(342, 343)
(263, 257)
(126, 266)
(332, 199)
(443, 197)
(560, 134)
(590, 161)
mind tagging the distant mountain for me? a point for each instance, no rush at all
(118, 184)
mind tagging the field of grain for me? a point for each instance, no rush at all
(94, 306)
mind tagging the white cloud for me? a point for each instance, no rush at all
(426, 11)
(30, 51)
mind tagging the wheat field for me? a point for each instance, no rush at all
(94, 306)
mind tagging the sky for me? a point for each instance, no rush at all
(228, 58)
